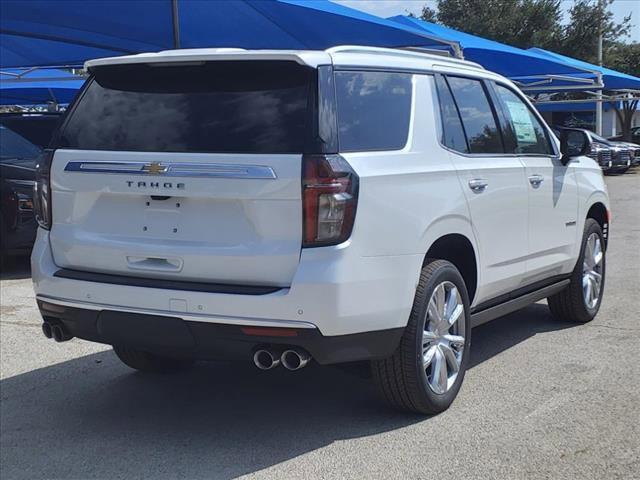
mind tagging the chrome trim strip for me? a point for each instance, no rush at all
(24, 183)
(191, 317)
(516, 303)
(215, 170)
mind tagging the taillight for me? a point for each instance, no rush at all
(329, 199)
(42, 190)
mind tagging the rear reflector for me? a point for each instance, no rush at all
(269, 331)
(50, 307)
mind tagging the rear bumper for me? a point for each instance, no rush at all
(335, 293)
(174, 336)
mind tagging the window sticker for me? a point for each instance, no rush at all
(522, 123)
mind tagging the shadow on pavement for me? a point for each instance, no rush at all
(15, 268)
(490, 339)
(92, 417)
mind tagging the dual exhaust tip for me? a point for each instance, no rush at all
(291, 359)
(57, 331)
(264, 358)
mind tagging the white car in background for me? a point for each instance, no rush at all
(287, 206)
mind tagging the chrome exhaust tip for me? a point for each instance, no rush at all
(295, 359)
(60, 334)
(265, 359)
(46, 329)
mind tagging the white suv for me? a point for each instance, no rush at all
(287, 206)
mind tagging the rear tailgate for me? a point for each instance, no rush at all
(237, 230)
(190, 173)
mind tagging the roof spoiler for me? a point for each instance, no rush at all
(303, 57)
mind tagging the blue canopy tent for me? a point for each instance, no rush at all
(620, 85)
(560, 106)
(522, 66)
(612, 79)
(68, 32)
(38, 86)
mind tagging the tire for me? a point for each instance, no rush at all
(403, 380)
(150, 362)
(622, 170)
(570, 304)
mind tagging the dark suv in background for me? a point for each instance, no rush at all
(621, 154)
(23, 136)
(613, 157)
(635, 136)
(633, 148)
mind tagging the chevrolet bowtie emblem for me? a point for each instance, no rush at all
(155, 168)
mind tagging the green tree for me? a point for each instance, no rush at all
(625, 111)
(521, 23)
(538, 23)
(428, 14)
(580, 35)
(624, 57)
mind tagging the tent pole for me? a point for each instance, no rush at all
(176, 24)
(599, 107)
(599, 96)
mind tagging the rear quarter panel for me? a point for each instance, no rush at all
(592, 189)
(411, 197)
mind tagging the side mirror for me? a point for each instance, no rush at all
(573, 143)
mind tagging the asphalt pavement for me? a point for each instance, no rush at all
(542, 399)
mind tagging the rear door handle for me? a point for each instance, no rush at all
(478, 185)
(536, 180)
(154, 264)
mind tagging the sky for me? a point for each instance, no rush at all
(388, 8)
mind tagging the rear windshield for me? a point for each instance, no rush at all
(239, 107)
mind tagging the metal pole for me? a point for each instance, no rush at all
(176, 23)
(599, 95)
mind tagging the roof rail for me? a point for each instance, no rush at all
(430, 51)
(412, 52)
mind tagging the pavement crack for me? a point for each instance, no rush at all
(624, 329)
(22, 324)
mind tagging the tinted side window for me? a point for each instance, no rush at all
(237, 107)
(477, 117)
(374, 110)
(529, 134)
(36, 128)
(452, 130)
(13, 146)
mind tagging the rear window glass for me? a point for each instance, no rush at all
(452, 130)
(239, 107)
(477, 116)
(374, 110)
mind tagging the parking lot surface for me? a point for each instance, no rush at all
(542, 399)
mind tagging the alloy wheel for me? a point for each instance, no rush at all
(443, 337)
(592, 271)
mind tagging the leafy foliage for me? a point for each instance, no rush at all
(515, 22)
(539, 23)
(580, 39)
(624, 57)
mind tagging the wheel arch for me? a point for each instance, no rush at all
(598, 211)
(459, 250)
